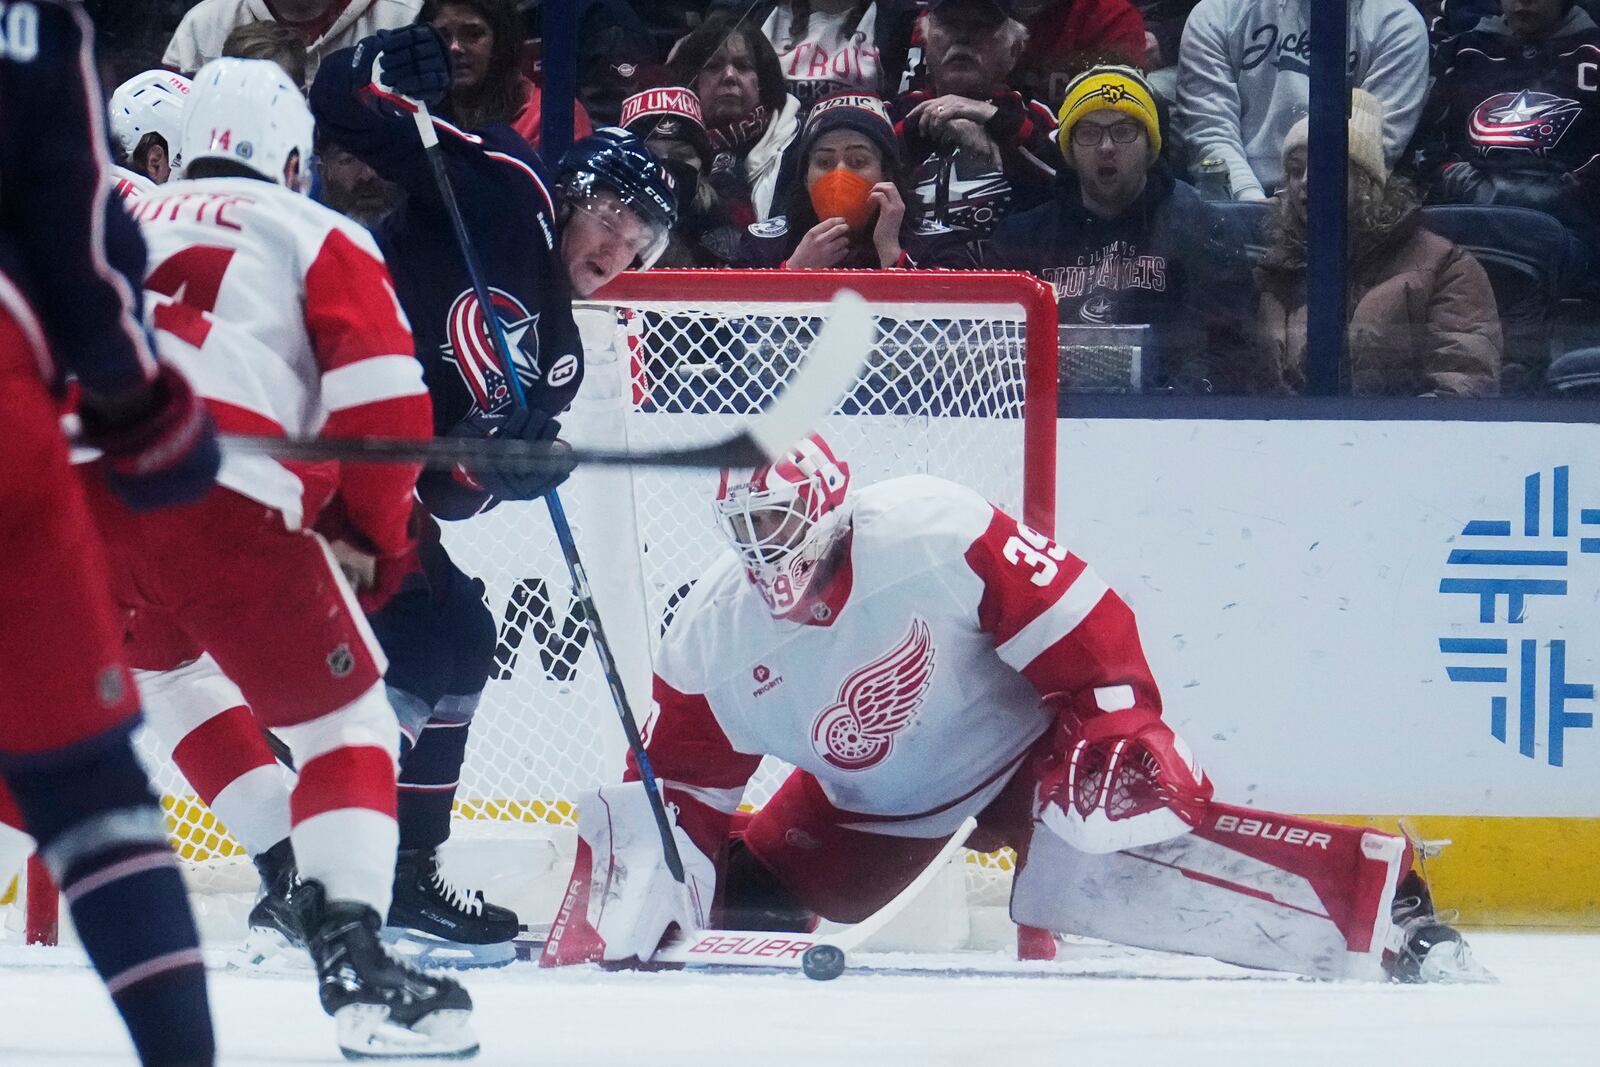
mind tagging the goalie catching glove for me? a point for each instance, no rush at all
(622, 901)
(1117, 777)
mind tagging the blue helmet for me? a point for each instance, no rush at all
(615, 161)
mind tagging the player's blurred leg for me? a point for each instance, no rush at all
(439, 638)
(201, 722)
(270, 606)
(67, 705)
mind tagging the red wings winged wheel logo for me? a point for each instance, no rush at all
(876, 702)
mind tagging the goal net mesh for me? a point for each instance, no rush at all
(945, 392)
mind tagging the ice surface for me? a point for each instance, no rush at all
(1101, 1006)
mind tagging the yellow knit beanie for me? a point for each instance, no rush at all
(1121, 88)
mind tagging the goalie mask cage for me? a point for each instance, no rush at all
(961, 383)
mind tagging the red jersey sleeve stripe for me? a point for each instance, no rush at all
(351, 311)
(372, 379)
(1056, 621)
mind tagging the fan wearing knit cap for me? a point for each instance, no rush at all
(1423, 320)
(847, 205)
(1124, 243)
(669, 121)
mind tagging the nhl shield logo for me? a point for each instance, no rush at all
(341, 661)
(876, 702)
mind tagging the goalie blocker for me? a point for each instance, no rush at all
(920, 657)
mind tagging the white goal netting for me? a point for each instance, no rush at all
(681, 358)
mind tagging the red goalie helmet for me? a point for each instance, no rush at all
(783, 518)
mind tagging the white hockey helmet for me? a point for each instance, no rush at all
(247, 111)
(782, 519)
(151, 102)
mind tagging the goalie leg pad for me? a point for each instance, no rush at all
(1247, 887)
(622, 900)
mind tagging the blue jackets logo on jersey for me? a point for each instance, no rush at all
(1522, 121)
(471, 349)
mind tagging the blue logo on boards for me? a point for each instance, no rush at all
(1502, 571)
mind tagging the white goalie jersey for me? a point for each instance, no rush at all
(914, 694)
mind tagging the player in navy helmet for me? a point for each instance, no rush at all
(540, 242)
(611, 180)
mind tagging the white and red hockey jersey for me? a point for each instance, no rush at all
(916, 698)
(129, 185)
(281, 313)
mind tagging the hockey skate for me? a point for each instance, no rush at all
(384, 1009)
(436, 923)
(1431, 950)
(274, 929)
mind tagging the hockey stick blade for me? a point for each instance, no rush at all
(833, 362)
(763, 948)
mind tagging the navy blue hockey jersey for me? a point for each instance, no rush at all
(508, 206)
(67, 249)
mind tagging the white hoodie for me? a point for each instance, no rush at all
(1243, 80)
(198, 38)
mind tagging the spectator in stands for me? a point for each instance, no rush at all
(1242, 80)
(487, 86)
(1064, 37)
(269, 40)
(1125, 243)
(825, 47)
(1422, 315)
(323, 25)
(977, 150)
(750, 115)
(350, 187)
(1163, 26)
(1514, 116)
(669, 122)
(849, 208)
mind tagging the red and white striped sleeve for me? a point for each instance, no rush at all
(1054, 620)
(371, 381)
(698, 768)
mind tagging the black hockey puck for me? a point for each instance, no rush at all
(823, 962)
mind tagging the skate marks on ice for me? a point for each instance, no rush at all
(1112, 1005)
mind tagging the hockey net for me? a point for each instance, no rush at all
(961, 384)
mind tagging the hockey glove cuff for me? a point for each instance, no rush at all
(161, 450)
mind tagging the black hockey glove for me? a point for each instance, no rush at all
(522, 425)
(160, 447)
(410, 62)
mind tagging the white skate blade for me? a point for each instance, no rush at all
(365, 1033)
(1452, 963)
(430, 952)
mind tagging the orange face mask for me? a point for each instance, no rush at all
(842, 194)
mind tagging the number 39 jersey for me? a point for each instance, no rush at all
(282, 315)
(915, 697)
